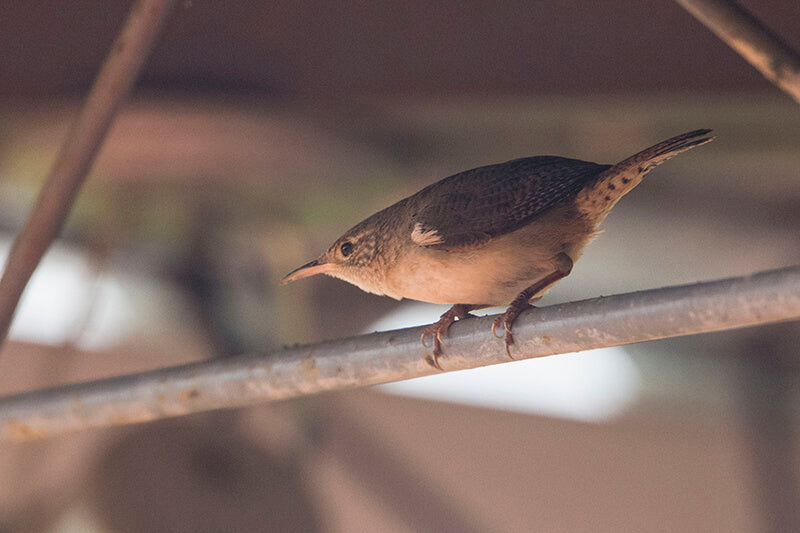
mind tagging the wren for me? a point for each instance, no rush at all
(501, 234)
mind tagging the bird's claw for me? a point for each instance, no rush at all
(496, 324)
(424, 338)
(434, 330)
(505, 321)
(441, 326)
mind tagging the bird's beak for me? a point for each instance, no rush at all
(309, 269)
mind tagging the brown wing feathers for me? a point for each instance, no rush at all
(472, 206)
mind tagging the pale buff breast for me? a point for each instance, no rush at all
(492, 274)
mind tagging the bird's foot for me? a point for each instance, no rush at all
(525, 299)
(437, 331)
(507, 320)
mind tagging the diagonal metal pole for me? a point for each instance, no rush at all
(47, 217)
(771, 296)
(754, 41)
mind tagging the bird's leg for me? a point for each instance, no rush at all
(525, 299)
(438, 329)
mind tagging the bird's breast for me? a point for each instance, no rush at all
(493, 273)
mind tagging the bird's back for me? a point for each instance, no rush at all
(472, 206)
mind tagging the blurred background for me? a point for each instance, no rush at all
(259, 132)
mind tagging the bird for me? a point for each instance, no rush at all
(497, 235)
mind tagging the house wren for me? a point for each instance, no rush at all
(488, 236)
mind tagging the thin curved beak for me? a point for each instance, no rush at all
(309, 269)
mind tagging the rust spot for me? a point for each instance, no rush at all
(608, 198)
(19, 431)
(309, 366)
(391, 340)
(547, 339)
(190, 394)
(626, 180)
(117, 419)
(611, 186)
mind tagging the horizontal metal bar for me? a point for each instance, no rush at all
(762, 298)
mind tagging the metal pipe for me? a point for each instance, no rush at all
(752, 39)
(49, 213)
(762, 298)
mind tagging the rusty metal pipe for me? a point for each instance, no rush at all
(762, 298)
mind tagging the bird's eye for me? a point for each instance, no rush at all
(346, 248)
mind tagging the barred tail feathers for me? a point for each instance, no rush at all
(597, 199)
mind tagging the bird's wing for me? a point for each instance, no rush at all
(471, 207)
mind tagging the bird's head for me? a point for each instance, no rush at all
(351, 258)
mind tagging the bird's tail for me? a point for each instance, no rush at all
(597, 199)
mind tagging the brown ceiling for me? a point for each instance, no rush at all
(327, 47)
